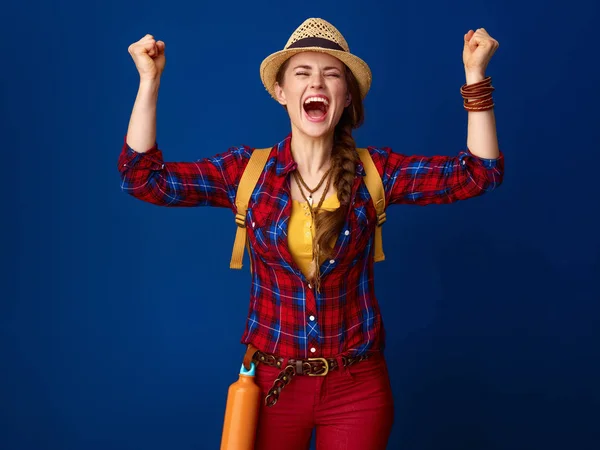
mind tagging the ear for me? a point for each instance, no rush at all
(279, 94)
(348, 99)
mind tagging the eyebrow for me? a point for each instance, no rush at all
(310, 67)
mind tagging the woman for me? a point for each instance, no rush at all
(314, 323)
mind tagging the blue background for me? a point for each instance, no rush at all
(112, 308)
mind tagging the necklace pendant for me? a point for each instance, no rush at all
(310, 200)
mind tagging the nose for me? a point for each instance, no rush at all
(316, 80)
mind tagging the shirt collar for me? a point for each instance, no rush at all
(286, 164)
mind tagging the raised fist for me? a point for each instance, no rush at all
(149, 57)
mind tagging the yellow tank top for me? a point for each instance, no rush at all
(300, 230)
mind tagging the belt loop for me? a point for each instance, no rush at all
(344, 369)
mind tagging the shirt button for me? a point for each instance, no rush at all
(253, 224)
(313, 350)
(332, 261)
(347, 232)
(312, 318)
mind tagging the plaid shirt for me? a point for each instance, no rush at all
(287, 316)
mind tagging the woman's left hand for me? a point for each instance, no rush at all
(478, 50)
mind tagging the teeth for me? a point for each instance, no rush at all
(316, 99)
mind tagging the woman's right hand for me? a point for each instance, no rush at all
(149, 57)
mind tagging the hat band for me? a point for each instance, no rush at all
(316, 42)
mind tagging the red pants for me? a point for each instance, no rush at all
(350, 409)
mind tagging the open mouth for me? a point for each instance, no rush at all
(316, 108)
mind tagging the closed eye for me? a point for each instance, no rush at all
(333, 74)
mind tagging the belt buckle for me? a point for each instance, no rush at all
(326, 367)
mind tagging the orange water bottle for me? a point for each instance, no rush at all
(241, 412)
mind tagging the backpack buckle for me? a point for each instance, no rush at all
(240, 220)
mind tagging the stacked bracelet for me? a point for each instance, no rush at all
(478, 96)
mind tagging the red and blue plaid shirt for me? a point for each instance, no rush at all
(287, 316)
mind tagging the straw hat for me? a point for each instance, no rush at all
(315, 35)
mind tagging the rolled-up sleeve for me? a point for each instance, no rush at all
(207, 182)
(425, 180)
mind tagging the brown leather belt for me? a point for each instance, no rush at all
(313, 367)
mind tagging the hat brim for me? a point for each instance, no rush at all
(272, 63)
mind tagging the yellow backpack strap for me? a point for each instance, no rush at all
(375, 187)
(252, 172)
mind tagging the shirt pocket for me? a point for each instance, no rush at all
(362, 221)
(260, 226)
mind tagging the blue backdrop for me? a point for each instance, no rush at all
(110, 306)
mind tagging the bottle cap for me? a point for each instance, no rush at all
(249, 372)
